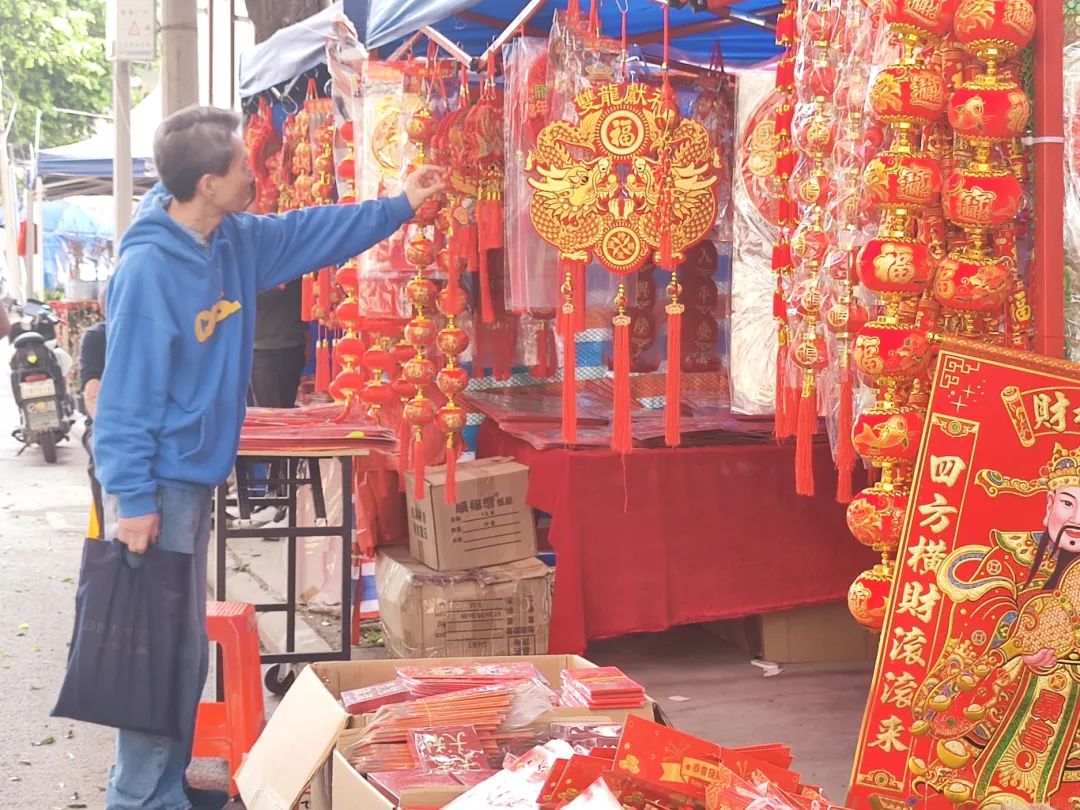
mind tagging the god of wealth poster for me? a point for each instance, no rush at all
(975, 701)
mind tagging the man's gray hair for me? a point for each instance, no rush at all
(191, 143)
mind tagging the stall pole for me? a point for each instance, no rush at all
(1048, 280)
(122, 182)
(179, 55)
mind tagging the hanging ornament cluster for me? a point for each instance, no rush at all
(844, 312)
(892, 350)
(813, 133)
(983, 194)
(787, 30)
(632, 180)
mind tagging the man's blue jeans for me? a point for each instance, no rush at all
(149, 770)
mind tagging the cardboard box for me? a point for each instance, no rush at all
(498, 610)
(489, 525)
(818, 634)
(302, 743)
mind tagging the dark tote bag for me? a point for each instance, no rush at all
(121, 668)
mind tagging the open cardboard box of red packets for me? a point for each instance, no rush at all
(292, 764)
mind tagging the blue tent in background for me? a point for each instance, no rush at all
(744, 31)
(67, 229)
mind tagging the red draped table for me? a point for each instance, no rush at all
(668, 537)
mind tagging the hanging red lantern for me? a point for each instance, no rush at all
(984, 111)
(890, 351)
(420, 252)
(875, 517)
(420, 331)
(981, 195)
(908, 94)
(868, 597)
(994, 30)
(922, 19)
(895, 265)
(901, 180)
(971, 280)
(888, 435)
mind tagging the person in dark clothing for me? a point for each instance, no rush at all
(91, 369)
(280, 347)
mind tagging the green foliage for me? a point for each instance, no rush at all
(52, 53)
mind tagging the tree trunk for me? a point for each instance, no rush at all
(270, 15)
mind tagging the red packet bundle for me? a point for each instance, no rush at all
(370, 698)
(731, 792)
(597, 796)
(756, 770)
(392, 784)
(518, 786)
(661, 755)
(449, 749)
(428, 681)
(578, 774)
(384, 745)
(636, 794)
(587, 735)
(601, 688)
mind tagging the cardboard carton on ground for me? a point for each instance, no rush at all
(498, 610)
(489, 524)
(299, 742)
(817, 634)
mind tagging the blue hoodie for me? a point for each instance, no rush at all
(181, 328)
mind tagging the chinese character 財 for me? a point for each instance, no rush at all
(1051, 414)
(916, 603)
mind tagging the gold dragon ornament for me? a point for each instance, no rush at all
(628, 176)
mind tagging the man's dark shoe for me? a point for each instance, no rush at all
(206, 799)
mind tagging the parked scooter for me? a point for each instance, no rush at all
(39, 369)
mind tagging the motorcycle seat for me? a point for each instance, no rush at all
(27, 338)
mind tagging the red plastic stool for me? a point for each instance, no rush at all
(228, 729)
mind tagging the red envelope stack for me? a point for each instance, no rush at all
(429, 681)
(601, 688)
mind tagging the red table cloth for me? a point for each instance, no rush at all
(661, 538)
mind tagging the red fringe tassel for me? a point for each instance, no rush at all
(622, 435)
(845, 451)
(569, 384)
(322, 367)
(419, 464)
(579, 296)
(403, 453)
(804, 437)
(673, 381)
(547, 359)
(450, 489)
(325, 304)
(487, 303)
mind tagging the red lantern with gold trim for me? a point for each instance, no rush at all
(994, 30)
(988, 110)
(981, 196)
(868, 596)
(895, 264)
(888, 435)
(911, 181)
(888, 350)
(908, 94)
(920, 18)
(876, 516)
(972, 281)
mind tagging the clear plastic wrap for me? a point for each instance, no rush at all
(754, 194)
(1072, 201)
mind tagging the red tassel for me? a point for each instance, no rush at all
(622, 434)
(450, 490)
(335, 360)
(804, 437)
(845, 451)
(468, 247)
(403, 453)
(569, 384)
(673, 381)
(782, 419)
(322, 367)
(487, 304)
(579, 296)
(419, 464)
(307, 297)
(325, 304)
(546, 357)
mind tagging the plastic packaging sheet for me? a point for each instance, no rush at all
(1072, 201)
(753, 328)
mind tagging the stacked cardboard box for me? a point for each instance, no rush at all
(470, 583)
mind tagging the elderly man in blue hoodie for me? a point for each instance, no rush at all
(181, 325)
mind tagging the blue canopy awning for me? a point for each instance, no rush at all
(744, 34)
